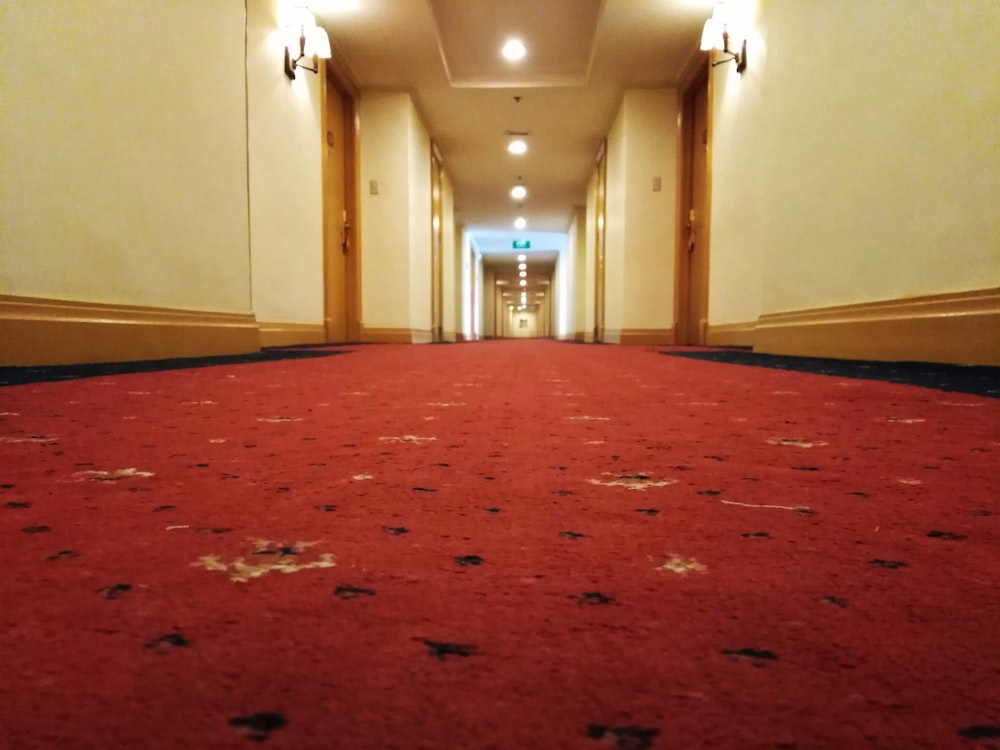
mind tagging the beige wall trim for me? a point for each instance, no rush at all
(647, 336)
(36, 331)
(395, 335)
(731, 334)
(291, 334)
(962, 328)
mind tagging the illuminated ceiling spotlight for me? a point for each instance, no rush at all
(513, 50)
(520, 222)
(522, 274)
(518, 192)
(522, 266)
(522, 257)
(524, 283)
(517, 147)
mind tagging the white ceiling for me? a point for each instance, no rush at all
(582, 54)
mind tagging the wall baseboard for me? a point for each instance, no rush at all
(647, 336)
(395, 335)
(731, 334)
(959, 328)
(37, 331)
(291, 334)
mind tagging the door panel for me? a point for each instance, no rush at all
(697, 318)
(336, 226)
(600, 217)
(437, 249)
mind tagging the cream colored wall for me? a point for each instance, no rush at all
(490, 325)
(640, 221)
(123, 165)
(530, 318)
(395, 223)
(451, 265)
(856, 159)
(578, 280)
(420, 221)
(586, 321)
(614, 229)
(385, 218)
(650, 215)
(286, 198)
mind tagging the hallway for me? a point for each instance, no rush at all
(511, 544)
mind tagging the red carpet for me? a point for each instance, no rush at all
(503, 545)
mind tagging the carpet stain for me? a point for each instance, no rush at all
(352, 592)
(624, 738)
(170, 639)
(258, 727)
(443, 649)
(592, 597)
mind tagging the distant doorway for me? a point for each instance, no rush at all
(693, 252)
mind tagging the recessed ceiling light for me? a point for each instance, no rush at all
(518, 192)
(522, 257)
(522, 266)
(514, 50)
(517, 146)
(520, 223)
(524, 283)
(522, 274)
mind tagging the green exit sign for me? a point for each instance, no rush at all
(522, 244)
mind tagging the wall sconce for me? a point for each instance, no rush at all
(303, 38)
(725, 26)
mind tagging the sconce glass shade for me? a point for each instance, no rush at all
(711, 35)
(317, 43)
(300, 17)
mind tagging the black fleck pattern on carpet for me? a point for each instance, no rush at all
(52, 373)
(974, 379)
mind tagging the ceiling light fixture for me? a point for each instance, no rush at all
(522, 266)
(522, 274)
(524, 283)
(517, 146)
(518, 192)
(513, 50)
(520, 222)
(303, 38)
(522, 257)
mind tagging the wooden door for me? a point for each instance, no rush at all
(693, 265)
(600, 215)
(437, 247)
(341, 301)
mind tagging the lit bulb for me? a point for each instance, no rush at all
(514, 50)
(524, 283)
(522, 266)
(517, 147)
(520, 223)
(518, 192)
(522, 257)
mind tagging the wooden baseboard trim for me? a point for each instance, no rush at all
(959, 328)
(395, 336)
(291, 334)
(36, 331)
(647, 336)
(731, 334)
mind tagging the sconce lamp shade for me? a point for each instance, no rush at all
(303, 39)
(299, 17)
(317, 43)
(711, 35)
